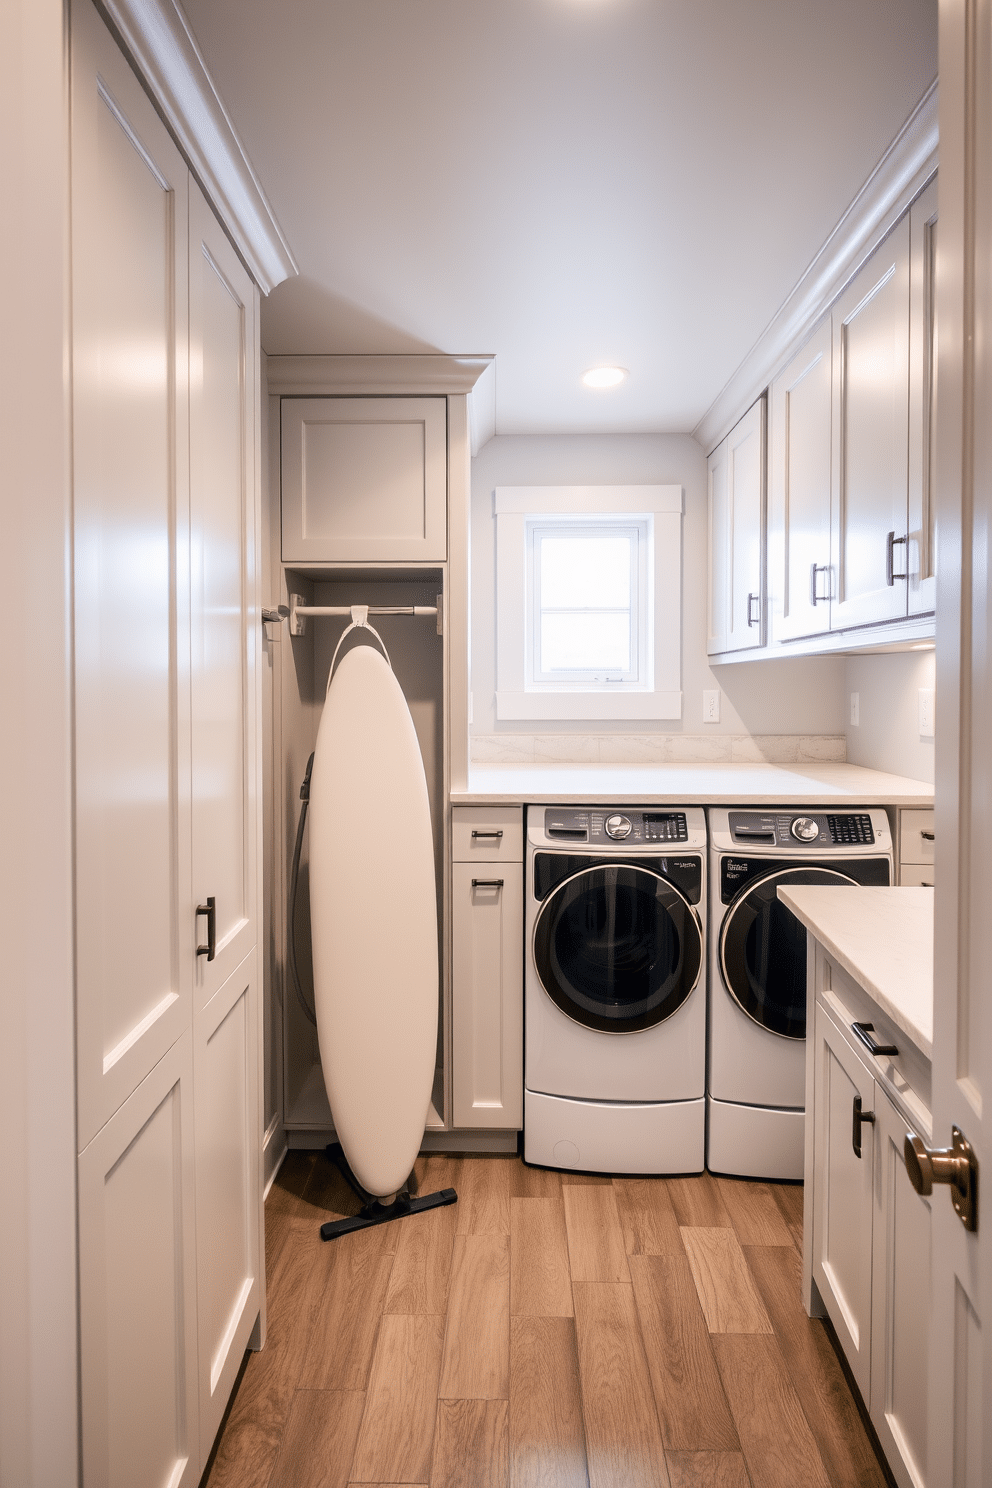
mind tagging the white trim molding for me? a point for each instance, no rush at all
(167, 58)
(402, 375)
(513, 508)
(903, 171)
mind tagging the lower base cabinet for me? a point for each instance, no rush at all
(870, 1229)
(487, 914)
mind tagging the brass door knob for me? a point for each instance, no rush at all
(956, 1166)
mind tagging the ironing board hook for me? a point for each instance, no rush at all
(359, 621)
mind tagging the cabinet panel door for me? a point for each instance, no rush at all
(129, 221)
(922, 545)
(364, 479)
(842, 1199)
(718, 598)
(900, 1304)
(487, 995)
(871, 471)
(799, 490)
(137, 1287)
(746, 514)
(228, 1213)
(223, 614)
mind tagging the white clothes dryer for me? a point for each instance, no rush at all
(615, 1007)
(756, 1076)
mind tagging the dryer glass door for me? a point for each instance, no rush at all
(617, 948)
(763, 951)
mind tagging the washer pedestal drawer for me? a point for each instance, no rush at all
(755, 1141)
(609, 1137)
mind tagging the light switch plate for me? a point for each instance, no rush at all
(926, 695)
(855, 709)
(711, 705)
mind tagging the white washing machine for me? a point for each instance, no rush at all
(756, 1078)
(614, 989)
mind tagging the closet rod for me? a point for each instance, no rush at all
(298, 612)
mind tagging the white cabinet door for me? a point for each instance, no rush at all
(842, 1194)
(222, 600)
(718, 597)
(137, 1287)
(900, 1303)
(487, 994)
(745, 537)
(364, 480)
(227, 1132)
(129, 227)
(922, 545)
(799, 456)
(871, 434)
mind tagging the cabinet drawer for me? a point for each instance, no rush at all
(917, 875)
(487, 834)
(915, 838)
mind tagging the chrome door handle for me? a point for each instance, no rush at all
(890, 574)
(756, 598)
(859, 1118)
(956, 1165)
(814, 569)
(210, 910)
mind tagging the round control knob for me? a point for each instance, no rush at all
(618, 827)
(805, 829)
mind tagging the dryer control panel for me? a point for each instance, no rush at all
(615, 824)
(802, 829)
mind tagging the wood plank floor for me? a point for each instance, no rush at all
(547, 1331)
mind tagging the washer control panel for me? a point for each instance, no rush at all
(802, 829)
(566, 824)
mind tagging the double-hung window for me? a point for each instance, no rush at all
(588, 602)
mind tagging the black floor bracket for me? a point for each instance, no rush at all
(372, 1212)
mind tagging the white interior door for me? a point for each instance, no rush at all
(960, 1422)
(223, 613)
(129, 212)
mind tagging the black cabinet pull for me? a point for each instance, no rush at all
(859, 1118)
(487, 883)
(488, 834)
(866, 1033)
(927, 836)
(210, 910)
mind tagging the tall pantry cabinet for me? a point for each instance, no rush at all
(165, 535)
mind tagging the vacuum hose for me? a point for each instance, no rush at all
(305, 798)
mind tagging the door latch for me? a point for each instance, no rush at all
(956, 1165)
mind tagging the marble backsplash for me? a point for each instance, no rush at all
(648, 749)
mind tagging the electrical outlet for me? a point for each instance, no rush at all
(926, 698)
(855, 710)
(711, 705)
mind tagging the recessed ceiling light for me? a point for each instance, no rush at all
(604, 377)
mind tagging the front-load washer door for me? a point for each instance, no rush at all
(617, 948)
(763, 951)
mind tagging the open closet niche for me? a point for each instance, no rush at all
(416, 653)
(368, 472)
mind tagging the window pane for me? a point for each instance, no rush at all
(586, 643)
(585, 572)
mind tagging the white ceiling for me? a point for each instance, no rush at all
(560, 182)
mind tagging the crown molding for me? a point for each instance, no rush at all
(402, 376)
(900, 175)
(170, 64)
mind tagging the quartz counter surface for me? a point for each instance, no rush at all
(883, 938)
(690, 785)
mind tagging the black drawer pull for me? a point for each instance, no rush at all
(488, 834)
(866, 1033)
(487, 883)
(859, 1118)
(210, 910)
(927, 836)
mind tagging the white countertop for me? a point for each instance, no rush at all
(691, 785)
(883, 938)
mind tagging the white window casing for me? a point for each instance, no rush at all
(650, 518)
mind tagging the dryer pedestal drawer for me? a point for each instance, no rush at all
(587, 1136)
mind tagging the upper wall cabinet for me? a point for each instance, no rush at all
(736, 491)
(364, 480)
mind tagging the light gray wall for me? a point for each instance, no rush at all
(770, 697)
(888, 737)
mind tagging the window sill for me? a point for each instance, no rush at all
(588, 705)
